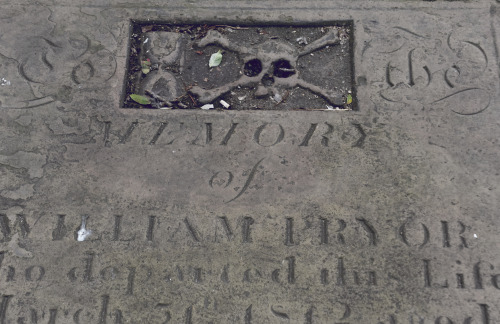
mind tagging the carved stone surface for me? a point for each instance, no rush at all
(384, 214)
(272, 67)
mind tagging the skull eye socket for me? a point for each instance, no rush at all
(283, 69)
(252, 68)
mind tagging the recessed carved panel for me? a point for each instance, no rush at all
(240, 67)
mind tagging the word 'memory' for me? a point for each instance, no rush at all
(265, 134)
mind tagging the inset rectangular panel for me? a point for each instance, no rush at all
(240, 67)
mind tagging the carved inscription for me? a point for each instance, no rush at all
(338, 263)
(263, 135)
(437, 68)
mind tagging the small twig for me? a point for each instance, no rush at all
(186, 88)
(283, 99)
(233, 27)
(155, 96)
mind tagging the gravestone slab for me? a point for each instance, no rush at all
(382, 212)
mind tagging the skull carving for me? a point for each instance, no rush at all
(269, 66)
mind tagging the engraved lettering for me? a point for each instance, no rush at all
(60, 231)
(372, 234)
(107, 128)
(266, 135)
(372, 278)
(3, 308)
(361, 140)
(289, 232)
(191, 230)
(4, 228)
(226, 228)
(324, 231)
(342, 226)
(151, 227)
(309, 134)
(356, 277)
(248, 315)
(258, 132)
(279, 314)
(11, 273)
(478, 276)
(428, 275)
(208, 133)
(117, 230)
(247, 275)
(52, 316)
(219, 181)
(246, 229)
(180, 274)
(23, 225)
(129, 131)
(87, 273)
(34, 316)
(463, 241)
(485, 315)
(495, 280)
(130, 280)
(34, 269)
(309, 316)
(248, 181)
(109, 273)
(291, 269)
(158, 133)
(340, 272)
(198, 275)
(447, 320)
(275, 275)
(118, 317)
(347, 311)
(324, 276)
(168, 316)
(446, 234)
(103, 314)
(404, 235)
(460, 280)
(189, 315)
(229, 133)
(324, 139)
(225, 274)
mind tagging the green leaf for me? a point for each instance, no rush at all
(145, 64)
(349, 99)
(140, 99)
(145, 70)
(215, 59)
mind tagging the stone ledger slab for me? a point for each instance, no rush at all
(387, 213)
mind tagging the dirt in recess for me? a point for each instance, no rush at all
(265, 68)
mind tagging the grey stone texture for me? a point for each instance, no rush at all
(384, 214)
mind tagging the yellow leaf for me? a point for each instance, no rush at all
(349, 99)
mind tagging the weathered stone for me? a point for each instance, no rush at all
(382, 214)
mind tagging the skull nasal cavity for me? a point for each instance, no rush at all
(283, 69)
(252, 68)
(267, 80)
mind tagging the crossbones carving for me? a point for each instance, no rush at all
(269, 66)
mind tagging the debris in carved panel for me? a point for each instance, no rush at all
(240, 67)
